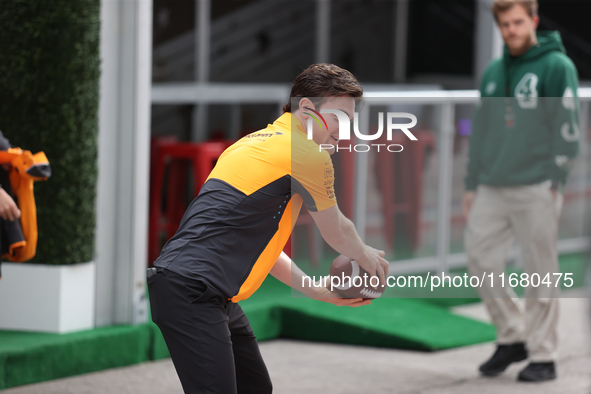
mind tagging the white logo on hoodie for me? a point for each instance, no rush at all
(568, 99)
(526, 91)
(491, 87)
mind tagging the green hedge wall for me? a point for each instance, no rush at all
(49, 94)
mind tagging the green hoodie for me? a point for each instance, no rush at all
(525, 129)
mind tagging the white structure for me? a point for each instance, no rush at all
(124, 146)
(50, 298)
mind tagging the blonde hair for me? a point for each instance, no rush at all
(531, 6)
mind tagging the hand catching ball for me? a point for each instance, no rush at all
(349, 280)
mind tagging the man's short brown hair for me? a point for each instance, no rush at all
(531, 6)
(323, 80)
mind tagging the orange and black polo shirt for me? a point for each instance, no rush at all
(234, 230)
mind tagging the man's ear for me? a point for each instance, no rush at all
(536, 21)
(306, 102)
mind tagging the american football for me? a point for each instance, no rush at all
(350, 280)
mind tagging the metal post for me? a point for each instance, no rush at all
(140, 202)
(202, 62)
(445, 154)
(583, 155)
(400, 41)
(322, 31)
(361, 173)
(583, 129)
(202, 39)
(489, 43)
(124, 146)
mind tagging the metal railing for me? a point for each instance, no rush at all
(444, 101)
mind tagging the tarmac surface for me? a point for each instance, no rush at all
(298, 367)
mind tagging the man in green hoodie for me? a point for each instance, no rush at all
(524, 139)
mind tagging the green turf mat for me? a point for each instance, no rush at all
(265, 321)
(393, 322)
(27, 357)
(389, 322)
(396, 323)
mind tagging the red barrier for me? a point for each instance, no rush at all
(171, 161)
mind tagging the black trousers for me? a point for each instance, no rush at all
(210, 340)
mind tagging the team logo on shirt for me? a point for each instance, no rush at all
(262, 136)
(526, 91)
(491, 87)
(568, 135)
(568, 99)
